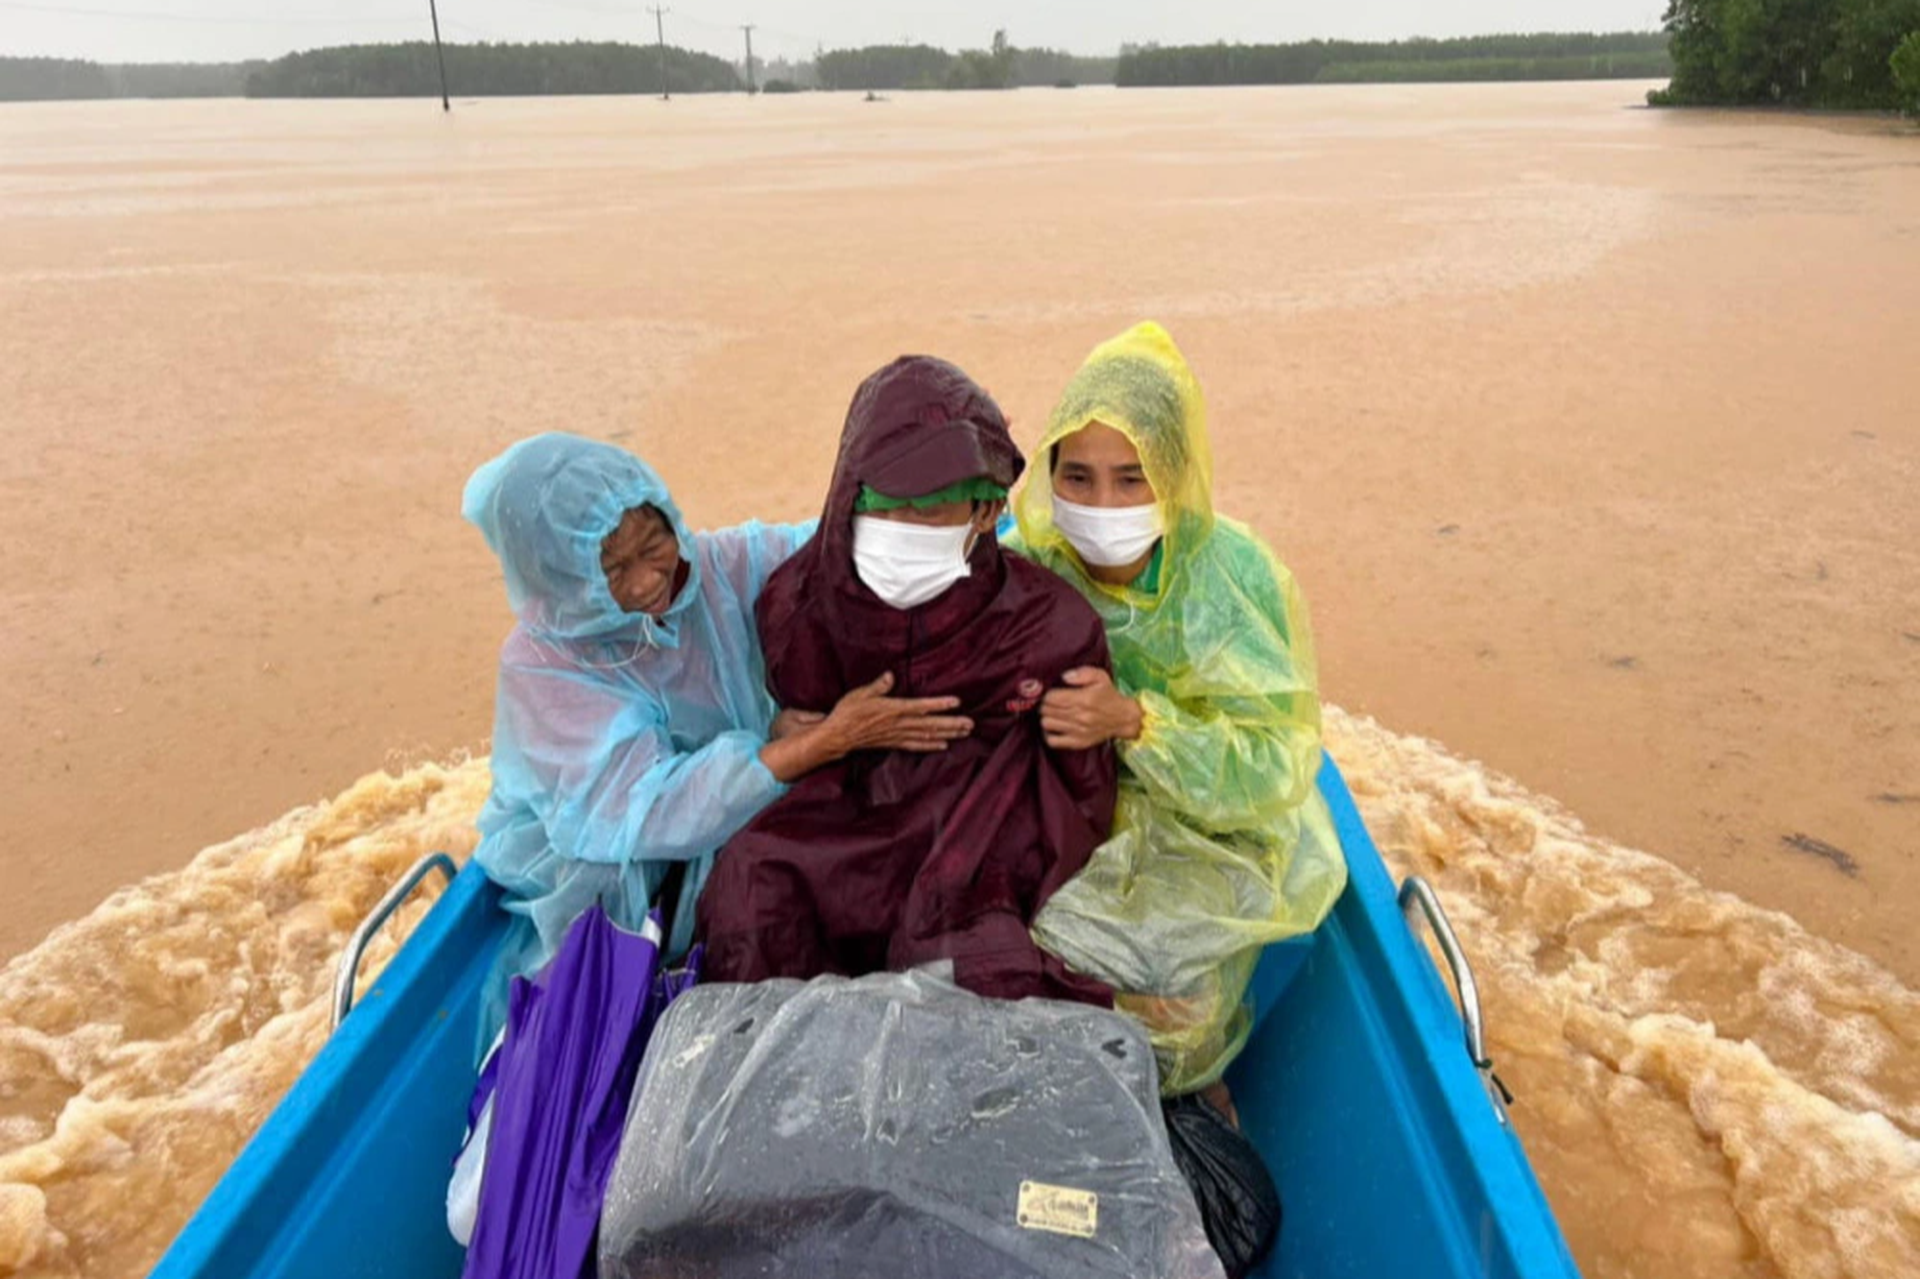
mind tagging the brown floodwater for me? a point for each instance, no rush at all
(1590, 431)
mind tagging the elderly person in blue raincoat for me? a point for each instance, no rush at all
(633, 734)
(633, 729)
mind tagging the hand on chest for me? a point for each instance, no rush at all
(993, 699)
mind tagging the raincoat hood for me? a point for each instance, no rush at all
(545, 506)
(1140, 385)
(916, 426)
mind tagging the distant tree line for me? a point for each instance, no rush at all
(1598, 66)
(1615, 55)
(35, 79)
(474, 70)
(922, 66)
(180, 79)
(1809, 53)
(1054, 66)
(489, 70)
(791, 76)
(1821, 53)
(38, 79)
(983, 68)
(883, 66)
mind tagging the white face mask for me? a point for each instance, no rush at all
(1108, 536)
(908, 564)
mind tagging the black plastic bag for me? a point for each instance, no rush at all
(897, 1127)
(1239, 1204)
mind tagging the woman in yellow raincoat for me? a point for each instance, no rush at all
(1222, 843)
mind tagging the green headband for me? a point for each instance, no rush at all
(978, 489)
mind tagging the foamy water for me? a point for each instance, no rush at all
(142, 1045)
(1705, 1088)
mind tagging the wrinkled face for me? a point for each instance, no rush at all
(982, 515)
(1098, 466)
(641, 559)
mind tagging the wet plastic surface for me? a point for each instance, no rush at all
(897, 1125)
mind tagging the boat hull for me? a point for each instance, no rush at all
(1390, 1155)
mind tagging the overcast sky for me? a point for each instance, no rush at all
(219, 30)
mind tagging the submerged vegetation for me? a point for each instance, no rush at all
(1806, 53)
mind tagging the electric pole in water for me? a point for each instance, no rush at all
(752, 88)
(433, 9)
(660, 29)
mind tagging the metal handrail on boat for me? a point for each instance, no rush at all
(349, 969)
(1416, 892)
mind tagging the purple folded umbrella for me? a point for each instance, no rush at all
(561, 1081)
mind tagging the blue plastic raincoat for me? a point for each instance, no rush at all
(621, 743)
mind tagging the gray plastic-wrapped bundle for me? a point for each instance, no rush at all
(896, 1126)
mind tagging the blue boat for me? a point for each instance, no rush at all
(1366, 1087)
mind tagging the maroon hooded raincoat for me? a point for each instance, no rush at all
(887, 860)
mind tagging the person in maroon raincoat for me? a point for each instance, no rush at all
(890, 860)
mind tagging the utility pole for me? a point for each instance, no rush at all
(660, 29)
(433, 8)
(752, 88)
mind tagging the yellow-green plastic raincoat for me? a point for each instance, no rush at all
(1222, 843)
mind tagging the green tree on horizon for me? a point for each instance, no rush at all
(990, 68)
(1905, 66)
(1810, 53)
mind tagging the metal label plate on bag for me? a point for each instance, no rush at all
(1060, 1209)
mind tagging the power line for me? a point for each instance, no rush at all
(794, 36)
(711, 25)
(348, 20)
(708, 23)
(583, 8)
(215, 18)
(457, 24)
